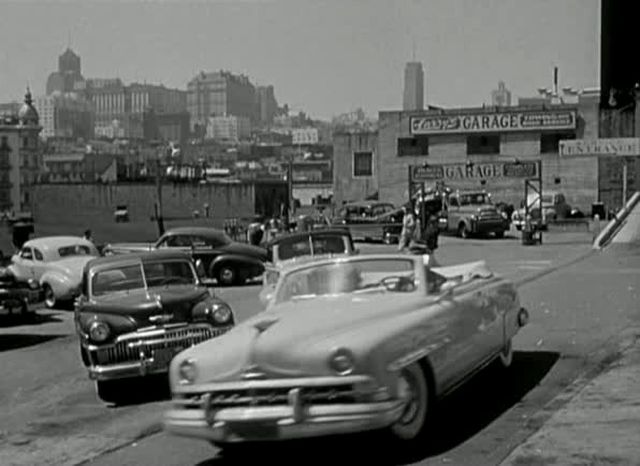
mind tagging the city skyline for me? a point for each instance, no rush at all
(351, 55)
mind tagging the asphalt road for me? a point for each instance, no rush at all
(49, 413)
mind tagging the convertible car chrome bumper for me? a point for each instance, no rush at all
(260, 413)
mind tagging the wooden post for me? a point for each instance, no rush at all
(159, 217)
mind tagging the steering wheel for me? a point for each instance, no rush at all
(170, 280)
(398, 283)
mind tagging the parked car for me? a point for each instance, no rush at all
(473, 213)
(298, 247)
(21, 297)
(346, 344)
(554, 207)
(56, 263)
(229, 262)
(136, 311)
(366, 219)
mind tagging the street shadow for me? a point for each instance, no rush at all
(36, 318)
(143, 390)
(457, 418)
(13, 341)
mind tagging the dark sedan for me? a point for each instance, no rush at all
(229, 262)
(137, 311)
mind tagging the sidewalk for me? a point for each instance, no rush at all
(600, 425)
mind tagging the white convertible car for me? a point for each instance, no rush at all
(345, 345)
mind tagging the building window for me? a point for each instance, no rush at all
(483, 144)
(25, 142)
(362, 164)
(413, 146)
(550, 143)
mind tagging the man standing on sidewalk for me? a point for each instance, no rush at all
(408, 228)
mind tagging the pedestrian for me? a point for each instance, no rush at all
(87, 235)
(408, 228)
(432, 231)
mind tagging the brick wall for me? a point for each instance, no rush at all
(70, 209)
(578, 178)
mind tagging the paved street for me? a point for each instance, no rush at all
(50, 414)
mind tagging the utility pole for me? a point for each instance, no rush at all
(624, 181)
(158, 206)
(290, 210)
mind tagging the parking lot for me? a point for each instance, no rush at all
(49, 397)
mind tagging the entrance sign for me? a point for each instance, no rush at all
(609, 146)
(462, 171)
(493, 122)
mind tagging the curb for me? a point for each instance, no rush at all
(603, 359)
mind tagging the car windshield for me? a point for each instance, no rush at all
(126, 278)
(347, 277)
(474, 199)
(311, 246)
(75, 250)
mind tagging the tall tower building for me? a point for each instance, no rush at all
(501, 97)
(413, 97)
(69, 73)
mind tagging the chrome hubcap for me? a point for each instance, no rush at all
(49, 297)
(227, 275)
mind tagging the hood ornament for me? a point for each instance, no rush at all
(161, 318)
(253, 372)
(159, 301)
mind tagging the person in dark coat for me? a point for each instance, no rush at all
(432, 231)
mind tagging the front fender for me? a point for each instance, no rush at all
(59, 283)
(239, 260)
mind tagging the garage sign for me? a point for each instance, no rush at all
(479, 171)
(493, 122)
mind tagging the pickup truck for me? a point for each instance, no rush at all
(473, 213)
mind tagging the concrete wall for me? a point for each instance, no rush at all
(345, 186)
(72, 208)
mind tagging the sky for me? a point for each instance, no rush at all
(322, 57)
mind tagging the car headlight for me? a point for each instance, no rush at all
(505, 216)
(188, 371)
(99, 331)
(474, 218)
(220, 313)
(342, 361)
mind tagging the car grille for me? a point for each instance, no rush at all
(331, 394)
(489, 216)
(130, 350)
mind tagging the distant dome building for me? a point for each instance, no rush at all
(28, 115)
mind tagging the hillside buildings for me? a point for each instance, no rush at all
(20, 157)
